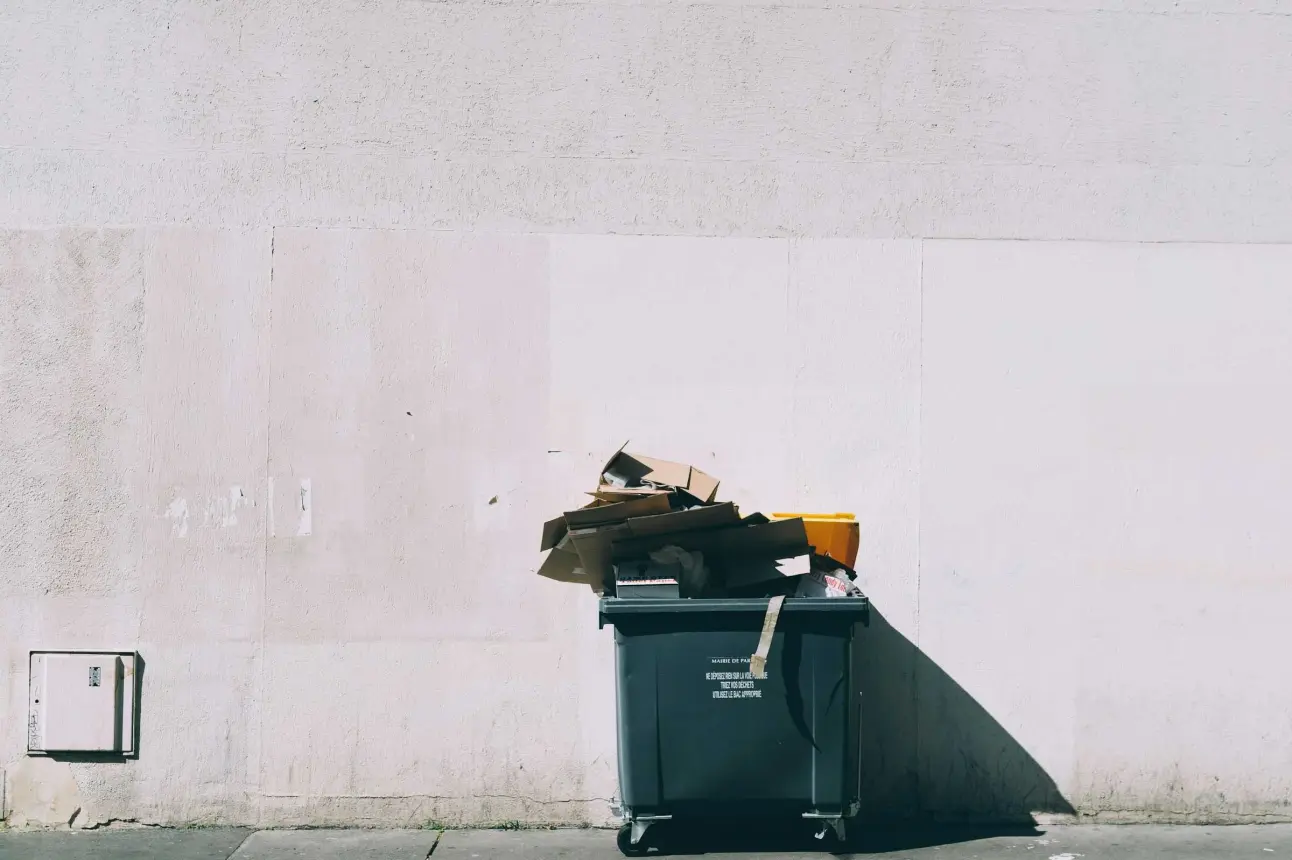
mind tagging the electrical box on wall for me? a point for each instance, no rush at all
(82, 701)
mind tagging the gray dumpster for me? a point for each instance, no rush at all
(699, 736)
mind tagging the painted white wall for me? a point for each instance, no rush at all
(1104, 496)
(374, 251)
(1094, 119)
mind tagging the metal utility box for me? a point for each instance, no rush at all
(82, 701)
(699, 736)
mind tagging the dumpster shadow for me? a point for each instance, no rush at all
(931, 755)
(936, 768)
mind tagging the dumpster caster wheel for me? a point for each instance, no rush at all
(833, 835)
(625, 842)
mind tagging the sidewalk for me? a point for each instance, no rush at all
(1091, 842)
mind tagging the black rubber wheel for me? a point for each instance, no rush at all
(830, 842)
(625, 842)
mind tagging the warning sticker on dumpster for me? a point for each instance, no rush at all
(732, 679)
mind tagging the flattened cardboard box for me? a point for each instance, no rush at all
(563, 565)
(598, 512)
(554, 529)
(595, 546)
(623, 468)
(775, 540)
(671, 522)
(615, 512)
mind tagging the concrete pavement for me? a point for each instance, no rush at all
(1086, 842)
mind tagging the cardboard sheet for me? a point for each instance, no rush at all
(713, 516)
(624, 469)
(594, 547)
(615, 512)
(774, 540)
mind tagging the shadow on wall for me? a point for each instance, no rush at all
(931, 753)
(936, 768)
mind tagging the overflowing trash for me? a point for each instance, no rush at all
(734, 639)
(654, 529)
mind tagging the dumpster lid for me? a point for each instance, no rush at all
(618, 607)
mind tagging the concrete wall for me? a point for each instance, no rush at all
(304, 313)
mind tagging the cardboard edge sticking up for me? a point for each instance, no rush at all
(778, 539)
(613, 512)
(562, 563)
(713, 516)
(652, 471)
(595, 547)
(750, 575)
(774, 540)
(602, 483)
(703, 486)
(627, 494)
(554, 529)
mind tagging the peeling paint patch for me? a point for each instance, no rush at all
(219, 509)
(221, 512)
(305, 527)
(177, 513)
(43, 792)
(237, 499)
(1065, 856)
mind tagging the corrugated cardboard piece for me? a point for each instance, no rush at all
(781, 539)
(626, 474)
(650, 495)
(709, 517)
(562, 563)
(617, 512)
(595, 547)
(654, 527)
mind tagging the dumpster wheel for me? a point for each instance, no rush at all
(834, 833)
(625, 842)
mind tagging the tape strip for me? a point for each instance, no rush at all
(758, 662)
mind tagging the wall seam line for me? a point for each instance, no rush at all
(797, 490)
(268, 518)
(238, 847)
(919, 531)
(919, 436)
(150, 445)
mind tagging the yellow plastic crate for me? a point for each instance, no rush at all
(835, 535)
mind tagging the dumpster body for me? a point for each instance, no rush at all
(699, 736)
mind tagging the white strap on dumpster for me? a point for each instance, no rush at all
(758, 662)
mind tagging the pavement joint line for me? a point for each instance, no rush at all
(238, 847)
